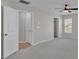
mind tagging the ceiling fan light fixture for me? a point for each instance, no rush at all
(65, 11)
(66, 6)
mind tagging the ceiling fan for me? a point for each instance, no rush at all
(67, 8)
(24, 2)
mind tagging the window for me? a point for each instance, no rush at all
(68, 25)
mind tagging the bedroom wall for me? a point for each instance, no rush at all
(43, 27)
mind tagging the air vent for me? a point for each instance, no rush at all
(25, 2)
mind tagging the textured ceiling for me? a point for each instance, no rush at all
(45, 5)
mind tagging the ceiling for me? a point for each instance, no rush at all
(44, 5)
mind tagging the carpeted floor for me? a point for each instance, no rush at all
(54, 49)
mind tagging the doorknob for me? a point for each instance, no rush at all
(5, 34)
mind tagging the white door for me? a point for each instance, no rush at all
(10, 31)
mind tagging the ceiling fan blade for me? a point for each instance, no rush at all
(67, 11)
(25, 2)
(73, 9)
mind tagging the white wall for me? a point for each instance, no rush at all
(43, 27)
(39, 24)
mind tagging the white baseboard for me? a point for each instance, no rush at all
(42, 41)
(33, 44)
(5, 56)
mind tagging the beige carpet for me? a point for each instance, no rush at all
(54, 49)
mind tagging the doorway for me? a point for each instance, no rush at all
(25, 29)
(56, 27)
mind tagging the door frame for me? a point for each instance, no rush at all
(2, 38)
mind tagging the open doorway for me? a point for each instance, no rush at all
(56, 27)
(25, 29)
